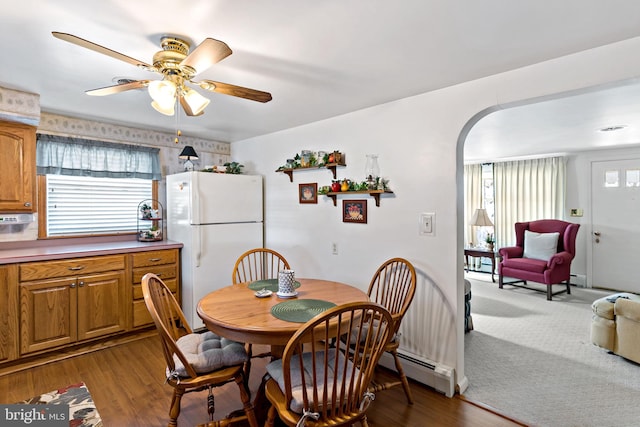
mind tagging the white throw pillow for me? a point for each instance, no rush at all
(540, 246)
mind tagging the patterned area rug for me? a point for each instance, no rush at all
(82, 410)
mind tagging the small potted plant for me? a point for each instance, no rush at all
(490, 241)
(146, 211)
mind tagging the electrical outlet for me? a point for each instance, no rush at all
(334, 248)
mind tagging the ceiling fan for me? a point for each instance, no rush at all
(178, 67)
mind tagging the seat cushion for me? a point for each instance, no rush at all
(540, 246)
(526, 264)
(207, 352)
(274, 369)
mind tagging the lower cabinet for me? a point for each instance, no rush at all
(65, 310)
(53, 304)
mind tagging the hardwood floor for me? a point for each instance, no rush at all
(127, 385)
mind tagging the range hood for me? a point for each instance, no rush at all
(16, 218)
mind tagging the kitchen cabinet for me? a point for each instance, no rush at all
(67, 301)
(8, 313)
(163, 263)
(17, 167)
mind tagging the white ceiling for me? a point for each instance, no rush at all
(321, 59)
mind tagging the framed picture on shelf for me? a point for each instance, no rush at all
(308, 193)
(354, 211)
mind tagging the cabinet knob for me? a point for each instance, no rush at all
(27, 204)
(81, 284)
(155, 259)
(76, 268)
(73, 285)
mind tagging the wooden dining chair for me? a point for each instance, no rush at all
(393, 286)
(258, 264)
(195, 362)
(316, 382)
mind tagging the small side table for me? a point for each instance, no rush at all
(481, 253)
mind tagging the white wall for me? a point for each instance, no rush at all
(419, 141)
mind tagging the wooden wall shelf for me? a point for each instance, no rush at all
(331, 166)
(373, 193)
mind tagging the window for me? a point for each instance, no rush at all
(93, 187)
(85, 205)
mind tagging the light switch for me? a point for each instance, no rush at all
(427, 224)
(576, 212)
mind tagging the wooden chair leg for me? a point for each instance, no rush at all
(549, 293)
(568, 287)
(500, 281)
(403, 377)
(174, 410)
(271, 417)
(246, 401)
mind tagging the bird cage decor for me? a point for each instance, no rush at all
(150, 222)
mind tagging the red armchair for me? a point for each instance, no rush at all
(555, 270)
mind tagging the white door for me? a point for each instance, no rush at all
(615, 239)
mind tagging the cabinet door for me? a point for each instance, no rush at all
(47, 314)
(17, 167)
(8, 312)
(101, 305)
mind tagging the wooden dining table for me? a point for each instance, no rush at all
(235, 312)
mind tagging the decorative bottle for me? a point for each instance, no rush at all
(372, 171)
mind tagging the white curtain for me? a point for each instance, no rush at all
(472, 200)
(527, 190)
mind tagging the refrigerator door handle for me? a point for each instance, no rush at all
(198, 246)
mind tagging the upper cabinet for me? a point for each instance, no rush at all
(17, 167)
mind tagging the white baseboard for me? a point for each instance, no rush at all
(439, 377)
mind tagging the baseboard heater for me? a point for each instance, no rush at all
(439, 377)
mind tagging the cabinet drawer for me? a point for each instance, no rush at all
(71, 267)
(162, 271)
(149, 258)
(172, 284)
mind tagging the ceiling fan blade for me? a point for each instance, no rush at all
(109, 90)
(101, 49)
(209, 52)
(233, 90)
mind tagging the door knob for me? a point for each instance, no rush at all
(596, 233)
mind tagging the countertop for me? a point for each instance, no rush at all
(17, 252)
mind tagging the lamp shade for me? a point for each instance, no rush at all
(188, 153)
(481, 219)
(196, 103)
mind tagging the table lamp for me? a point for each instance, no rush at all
(187, 154)
(481, 218)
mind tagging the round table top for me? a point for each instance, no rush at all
(236, 313)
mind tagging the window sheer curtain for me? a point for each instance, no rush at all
(59, 155)
(527, 190)
(472, 200)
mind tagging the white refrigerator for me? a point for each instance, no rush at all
(217, 217)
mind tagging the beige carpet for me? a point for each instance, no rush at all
(533, 359)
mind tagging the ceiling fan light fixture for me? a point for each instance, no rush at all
(163, 92)
(168, 110)
(197, 103)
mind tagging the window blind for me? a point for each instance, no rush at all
(86, 205)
